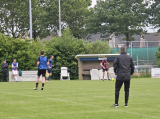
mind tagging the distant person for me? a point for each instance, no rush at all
(123, 68)
(42, 64)
(104, 68)
(47, 75)
(50, 68)
(15, 69)
(5, 71)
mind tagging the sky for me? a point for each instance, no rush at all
(93, 3)
(149, 29)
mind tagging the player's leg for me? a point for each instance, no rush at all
(126, 89)
(38, 76)
(15, 75)
(43, 77)
(103, 73)
(108, 74)
(47, 75)
(5, 76)
(118, 86)
(50, 74)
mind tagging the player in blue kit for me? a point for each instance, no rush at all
(42, 64)
(104, 68)
(15, 69)
(50, 67)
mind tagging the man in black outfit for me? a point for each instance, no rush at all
(123, 68)
(5, 70)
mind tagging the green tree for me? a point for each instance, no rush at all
(14, 18)
(98, 47)
(25, 52)
(38, 18)
(157, 54)
(122, 17)
(153, 11)
(65, 49)
(73, 14)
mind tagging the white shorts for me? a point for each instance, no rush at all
(14, 72)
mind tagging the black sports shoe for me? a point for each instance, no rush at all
(42, 88)
(115, 105)
(126, 105)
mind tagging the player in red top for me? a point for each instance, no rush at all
(104, 67)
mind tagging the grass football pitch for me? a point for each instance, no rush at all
(79, 100)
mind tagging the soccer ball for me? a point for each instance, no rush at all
(112, 79)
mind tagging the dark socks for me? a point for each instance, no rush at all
(36, 85)
(48, 78)
(42, 84)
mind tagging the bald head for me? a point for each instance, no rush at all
(123, 49)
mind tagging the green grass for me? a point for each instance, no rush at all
(79, 100)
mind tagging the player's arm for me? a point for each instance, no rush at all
(38, 61)
(102, 64)
(115, 65)
(16, 66)
(52, 65)
(132, 66)
(107, 63)
(13, 66)
(47, 62)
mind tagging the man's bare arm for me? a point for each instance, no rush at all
(16, 66)
(48, 63)
(37, 63)
(13, 66)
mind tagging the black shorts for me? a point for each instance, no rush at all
(49, 71)
(105, 69)
(42, 72)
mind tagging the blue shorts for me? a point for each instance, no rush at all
(49, 71)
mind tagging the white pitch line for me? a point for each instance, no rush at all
(102, 107)
(135, 113)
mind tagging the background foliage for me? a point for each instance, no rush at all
(64, 49)
(25, 52)
(14, 17)
(121, 17)
(157, 54)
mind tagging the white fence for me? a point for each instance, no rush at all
(26, 76)
(155, 72)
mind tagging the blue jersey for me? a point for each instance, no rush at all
(14, 64)
(50, 62)
(42, 62)
(104, 63)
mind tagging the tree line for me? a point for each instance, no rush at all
(63, 48)
(121, 17)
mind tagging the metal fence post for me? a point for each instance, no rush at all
(30, 18)
(147, 53)
(137, 59)
(131, 48)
